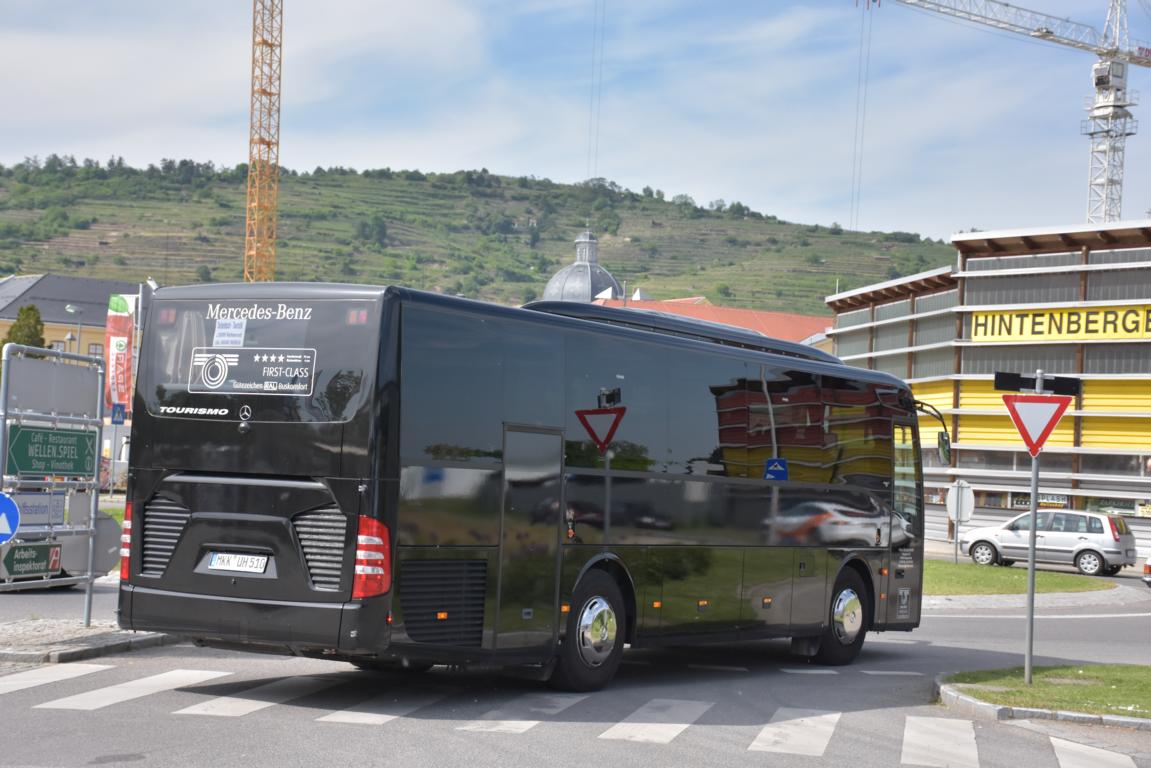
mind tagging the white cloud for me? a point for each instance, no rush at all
(745, 101)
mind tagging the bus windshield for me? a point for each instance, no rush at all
(285, 360)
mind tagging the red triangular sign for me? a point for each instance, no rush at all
(601, 421)
(1035, 417)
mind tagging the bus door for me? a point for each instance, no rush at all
(526, 619)
(905, 572)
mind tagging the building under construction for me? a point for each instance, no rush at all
(1071, 301)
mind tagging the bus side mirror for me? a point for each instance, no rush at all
(943, 445)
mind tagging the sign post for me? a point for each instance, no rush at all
(1035, 417)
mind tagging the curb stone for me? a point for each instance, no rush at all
(955, 699)
(88, 648)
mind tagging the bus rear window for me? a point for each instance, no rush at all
(293, 360)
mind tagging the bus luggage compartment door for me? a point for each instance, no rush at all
(533, 473)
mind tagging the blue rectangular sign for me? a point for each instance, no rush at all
(775, 469)
(119, 412)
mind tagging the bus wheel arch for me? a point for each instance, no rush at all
(614, 567)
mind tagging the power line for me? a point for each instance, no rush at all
(862, 81)
(595, 93)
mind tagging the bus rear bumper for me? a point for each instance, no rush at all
(351, 628)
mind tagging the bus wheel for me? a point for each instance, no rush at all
(590, 652)
(848, 621)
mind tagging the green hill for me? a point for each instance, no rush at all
(470, 232)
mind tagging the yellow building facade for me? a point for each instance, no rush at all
(1072, 302)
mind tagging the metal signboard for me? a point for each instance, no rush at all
(1035, 417)
(775, 469)
(40, 508)
(24, 560)
(51, 386)
(1056, 385)
(960, 501)
(40, 451)
(119, 413)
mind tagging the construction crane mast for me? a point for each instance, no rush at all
(1109, 121)
(264, 142)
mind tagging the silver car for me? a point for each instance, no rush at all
(1093, 542)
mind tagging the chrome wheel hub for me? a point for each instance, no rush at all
(847, 616)
(596, 631)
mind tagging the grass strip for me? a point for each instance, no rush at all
(943, 578)
(1102, 689)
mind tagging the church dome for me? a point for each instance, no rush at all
(584, 279)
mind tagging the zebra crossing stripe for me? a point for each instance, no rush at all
(1072, 755)
(133, 689)
(940, 743)
(808, 671)
(519, 715)
(892, 673)
(260, 697)
(797, 732)
(658, 722)
(51, 673)
(385, 707)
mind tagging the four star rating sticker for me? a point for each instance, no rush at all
(267, 358)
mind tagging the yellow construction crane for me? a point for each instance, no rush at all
(264, 142)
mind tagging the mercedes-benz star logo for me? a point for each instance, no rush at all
(245, 412)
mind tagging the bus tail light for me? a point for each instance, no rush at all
(1114, 528)
(373, 574)
(126, 542)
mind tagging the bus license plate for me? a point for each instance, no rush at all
(233, 561)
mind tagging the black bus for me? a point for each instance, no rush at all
(391, 477)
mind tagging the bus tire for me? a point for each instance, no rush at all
(591, 650)
(848, 621)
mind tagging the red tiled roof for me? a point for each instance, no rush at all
(778, 325)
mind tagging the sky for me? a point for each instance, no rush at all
(754, 101)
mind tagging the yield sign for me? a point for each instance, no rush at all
(1035, 417)
(601, 421)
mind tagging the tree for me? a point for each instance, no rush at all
(203, 273)
(28, 328)
(375, 230)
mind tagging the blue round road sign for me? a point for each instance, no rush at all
(9, 518)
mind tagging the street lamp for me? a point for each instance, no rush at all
(72, 309)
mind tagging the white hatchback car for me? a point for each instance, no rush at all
(1093, 542)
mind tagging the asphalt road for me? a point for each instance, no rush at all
(724, 705)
